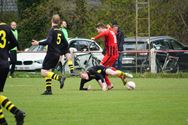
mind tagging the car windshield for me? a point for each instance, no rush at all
(84, 45)
(37, 48)
(131, 45)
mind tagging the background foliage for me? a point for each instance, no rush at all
(168, 17)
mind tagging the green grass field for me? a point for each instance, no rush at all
(154, 102)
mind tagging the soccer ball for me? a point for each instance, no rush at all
(130, 85)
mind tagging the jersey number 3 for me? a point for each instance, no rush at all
(58, 38)
(2, 39)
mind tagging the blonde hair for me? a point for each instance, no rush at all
(56, 19)
(81, 73)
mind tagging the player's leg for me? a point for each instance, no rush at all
(105, 61)
(54, 76)
(19, 115)
(3, 76)
(70, 63)
(48, 90)
(50, 62)
(119, 73)
(6, 103)
(13, 58)
(2, 117)
(108, 61)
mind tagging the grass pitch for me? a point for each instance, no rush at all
(154, 102)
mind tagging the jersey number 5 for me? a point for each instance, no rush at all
(58, 38)
(2, 39)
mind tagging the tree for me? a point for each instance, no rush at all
(168, 17)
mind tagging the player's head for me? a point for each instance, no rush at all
(115, 25)
(63, 23)
(101, 27)
(108, 26)
(13, 25)
(84, 75)
(56, 19)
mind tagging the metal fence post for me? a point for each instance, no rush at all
(153, 61)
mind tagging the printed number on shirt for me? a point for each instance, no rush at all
(2, 39)
(114, 36)
(58, 38)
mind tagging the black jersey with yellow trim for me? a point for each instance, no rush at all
(96, 72)
(7, 42)
(56, 41)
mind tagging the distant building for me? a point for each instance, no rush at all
(8, 5)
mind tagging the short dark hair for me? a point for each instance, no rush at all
(114, 22)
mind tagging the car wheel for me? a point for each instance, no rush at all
(145, 67)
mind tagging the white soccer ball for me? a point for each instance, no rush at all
(130, 85)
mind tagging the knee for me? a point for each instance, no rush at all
(44, 72)
(69, 56)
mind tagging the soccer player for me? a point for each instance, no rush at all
(57, 46)
(7, 42)
(111, 49)
(98, 73)
(67, 55)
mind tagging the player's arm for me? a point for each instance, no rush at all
(12, 42)
(82, 83)
(102, 34)
(101, 81)
(102, 85)
(46, 42)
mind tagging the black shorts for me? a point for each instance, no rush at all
(65, 51)
(50, 61)
(3, 77)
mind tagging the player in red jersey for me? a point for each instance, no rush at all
(111, 53)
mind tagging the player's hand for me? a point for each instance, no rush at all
(92, 38)
(34, 42)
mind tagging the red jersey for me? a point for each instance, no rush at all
(110, 41)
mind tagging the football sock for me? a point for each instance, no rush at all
(70, 64)
(120, 73)
(53, 76)
(2, 117)
(6, 103)
(48, 83)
